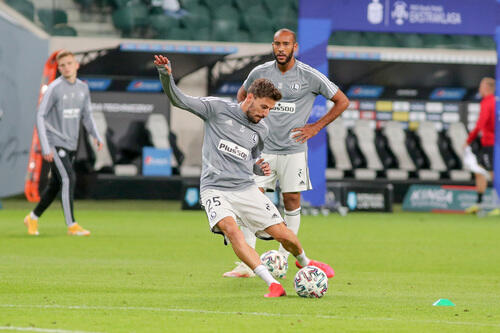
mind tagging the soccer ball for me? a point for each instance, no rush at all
(311, 281)
(275, 263)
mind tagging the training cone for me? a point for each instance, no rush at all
(443, 302)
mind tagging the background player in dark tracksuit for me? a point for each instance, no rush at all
(486, 126)
(65, 103)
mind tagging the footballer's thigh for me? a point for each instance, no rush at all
(217, 207)
(293, 172)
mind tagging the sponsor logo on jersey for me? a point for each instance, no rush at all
(295, 86)
(233, 149)
(284, 107)
(71, 113)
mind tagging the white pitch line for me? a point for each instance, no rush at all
(263, 314)
(35, 329)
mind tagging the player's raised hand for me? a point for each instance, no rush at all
(305, 133)
(264, 166)
(163, 61)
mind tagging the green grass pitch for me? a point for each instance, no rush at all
(150, 267)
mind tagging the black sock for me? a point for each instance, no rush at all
(479, 197)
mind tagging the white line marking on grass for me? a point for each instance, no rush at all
(35, 329)
(240, 313)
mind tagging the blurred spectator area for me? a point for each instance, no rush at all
(207, 20)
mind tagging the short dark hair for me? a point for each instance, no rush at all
(261, 88)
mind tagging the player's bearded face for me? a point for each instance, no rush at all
(283, 50)
(259, 109)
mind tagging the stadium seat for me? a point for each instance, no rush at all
(410, 40)
(387, 157)
(178, 34)
(380, 39)
(103, 161)
(348, 38)
(200, 10)
(226, 13)
(123, 19)
(458, 134)
(486, 42)
(51, 17)
(358, 160)
(215, 5)
(396, 139)
(189, 4)
(194, 21)
(365, 135)
(24, 7)
(161, 24)
(63, 30)
(224, 30)
(201, 34)
(336, 140)
(262, 36)
(158, 129)
(429, 138)
(437, 41)
(257, 10)
(257, 24)
(243, 5)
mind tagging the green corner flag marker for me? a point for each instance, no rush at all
(443, 302)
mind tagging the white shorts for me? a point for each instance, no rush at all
(290, 170)
(249, 207)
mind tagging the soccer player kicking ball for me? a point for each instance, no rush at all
(286, 148)
(233, 140)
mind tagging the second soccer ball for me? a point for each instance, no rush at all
(275, 262)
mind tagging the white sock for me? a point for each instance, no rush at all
(302, 259)
(292, 219)
(249, 236)
(33, 216)
(262, 272)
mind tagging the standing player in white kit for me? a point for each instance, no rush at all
(286, 149)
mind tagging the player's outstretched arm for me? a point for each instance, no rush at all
(194, 105)
(261, 168)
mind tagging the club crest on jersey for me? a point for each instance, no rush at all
(255, 138)
(284, 107)
(233, 149)
(295, 86)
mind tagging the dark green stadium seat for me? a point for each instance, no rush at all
(200, 11)
(255, 24)
(188, 4)
(141, 15)
(466, 42)
(486, 42)
(193, 21)
(201, 34)
(381, 39)
(226, 13)
(224, 30)
(243, 36)
(348, 38)
(63, 30)
(257, 10)
(213, 5)
(262, 36)
(178, 34)
(437, 41)
(285, 22)
(123, 19)
(161, 23)
(51, 17)
(410, 40)
(243, 5)
(24, 7)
